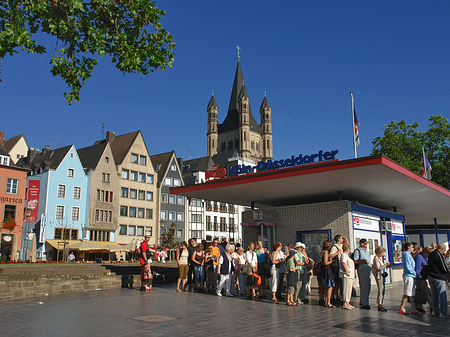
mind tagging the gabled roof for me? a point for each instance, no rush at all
(202, 164)
(91, 155)
(3, 151)
(11, 142)
(49, 158)
(160, 163)
(122, 144)
(212, 104)
(265, 104)
(231, 121)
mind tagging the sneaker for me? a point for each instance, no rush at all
(218, 294)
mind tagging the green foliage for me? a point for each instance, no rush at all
(403, 143)
(129, 31)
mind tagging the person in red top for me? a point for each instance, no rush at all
(143, 258)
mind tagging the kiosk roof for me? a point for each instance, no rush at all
(376, 181)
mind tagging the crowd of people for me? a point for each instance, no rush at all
(230, 270)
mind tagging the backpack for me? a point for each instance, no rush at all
(317, 268)
(334, 261)
(352, 256)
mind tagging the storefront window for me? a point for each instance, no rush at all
(313, 242)
(397, 249)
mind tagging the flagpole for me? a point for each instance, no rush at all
(353, 125)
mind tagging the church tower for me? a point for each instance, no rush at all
(213, 135)
(266, 129)
(239, 133)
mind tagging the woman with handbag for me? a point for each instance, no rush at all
(276, 258)
(380, 275)
(252, 261)
(327, 277)
(241, 261)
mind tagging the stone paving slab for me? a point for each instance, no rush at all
(111, 312)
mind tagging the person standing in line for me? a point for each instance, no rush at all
(377, 271)
(144, 255)
(183, 267)
(233, 278)
(198, 259)
(292, 277)
(335, 255)
(209, 266)
(225, 269)
(347, 273)
(299, 260)
(239, 270)
(252, 260)
(409, 274)
(216, 253)
(282, 272)
(328, 279)
(262, 267)
(362, 262)
(437, 271)
(423, 292)
(277, 260)
(191, 276)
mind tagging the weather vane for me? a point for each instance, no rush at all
(238, 51)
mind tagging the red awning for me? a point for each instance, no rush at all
(254, 224)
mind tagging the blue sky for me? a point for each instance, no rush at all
(307, 55)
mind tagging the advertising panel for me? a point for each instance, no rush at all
(32, 201)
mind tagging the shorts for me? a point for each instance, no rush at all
(290, 290)
(408, 287)
(183, 271)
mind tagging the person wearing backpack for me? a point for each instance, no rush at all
(361, 257)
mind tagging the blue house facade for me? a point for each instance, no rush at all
(63, 201)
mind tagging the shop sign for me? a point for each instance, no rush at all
(397, 227)
(42, 229)
(365, 223)
(258, 215)
(218, 173)
(32, 201)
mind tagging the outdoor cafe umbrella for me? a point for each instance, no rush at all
(85, 246)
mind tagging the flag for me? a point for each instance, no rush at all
(426, 167)
(355, 127)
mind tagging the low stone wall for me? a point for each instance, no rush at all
(28, 284)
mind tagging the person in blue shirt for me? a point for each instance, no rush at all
(423, 291)
(362, 263)
(409, 274)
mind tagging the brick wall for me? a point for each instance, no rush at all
(333, 215)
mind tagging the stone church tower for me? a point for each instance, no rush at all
(240, 133)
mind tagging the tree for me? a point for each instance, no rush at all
(403, 143)
(129, 31)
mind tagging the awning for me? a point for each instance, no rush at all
(59, 244)
(255, 224)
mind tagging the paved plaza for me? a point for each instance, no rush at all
(129, 312)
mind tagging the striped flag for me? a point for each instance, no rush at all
(355, 126)
(426, 167)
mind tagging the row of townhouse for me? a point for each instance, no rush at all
(107, 192)
(112, 191)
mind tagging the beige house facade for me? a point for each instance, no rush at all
(137, 214)
(103, 206)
